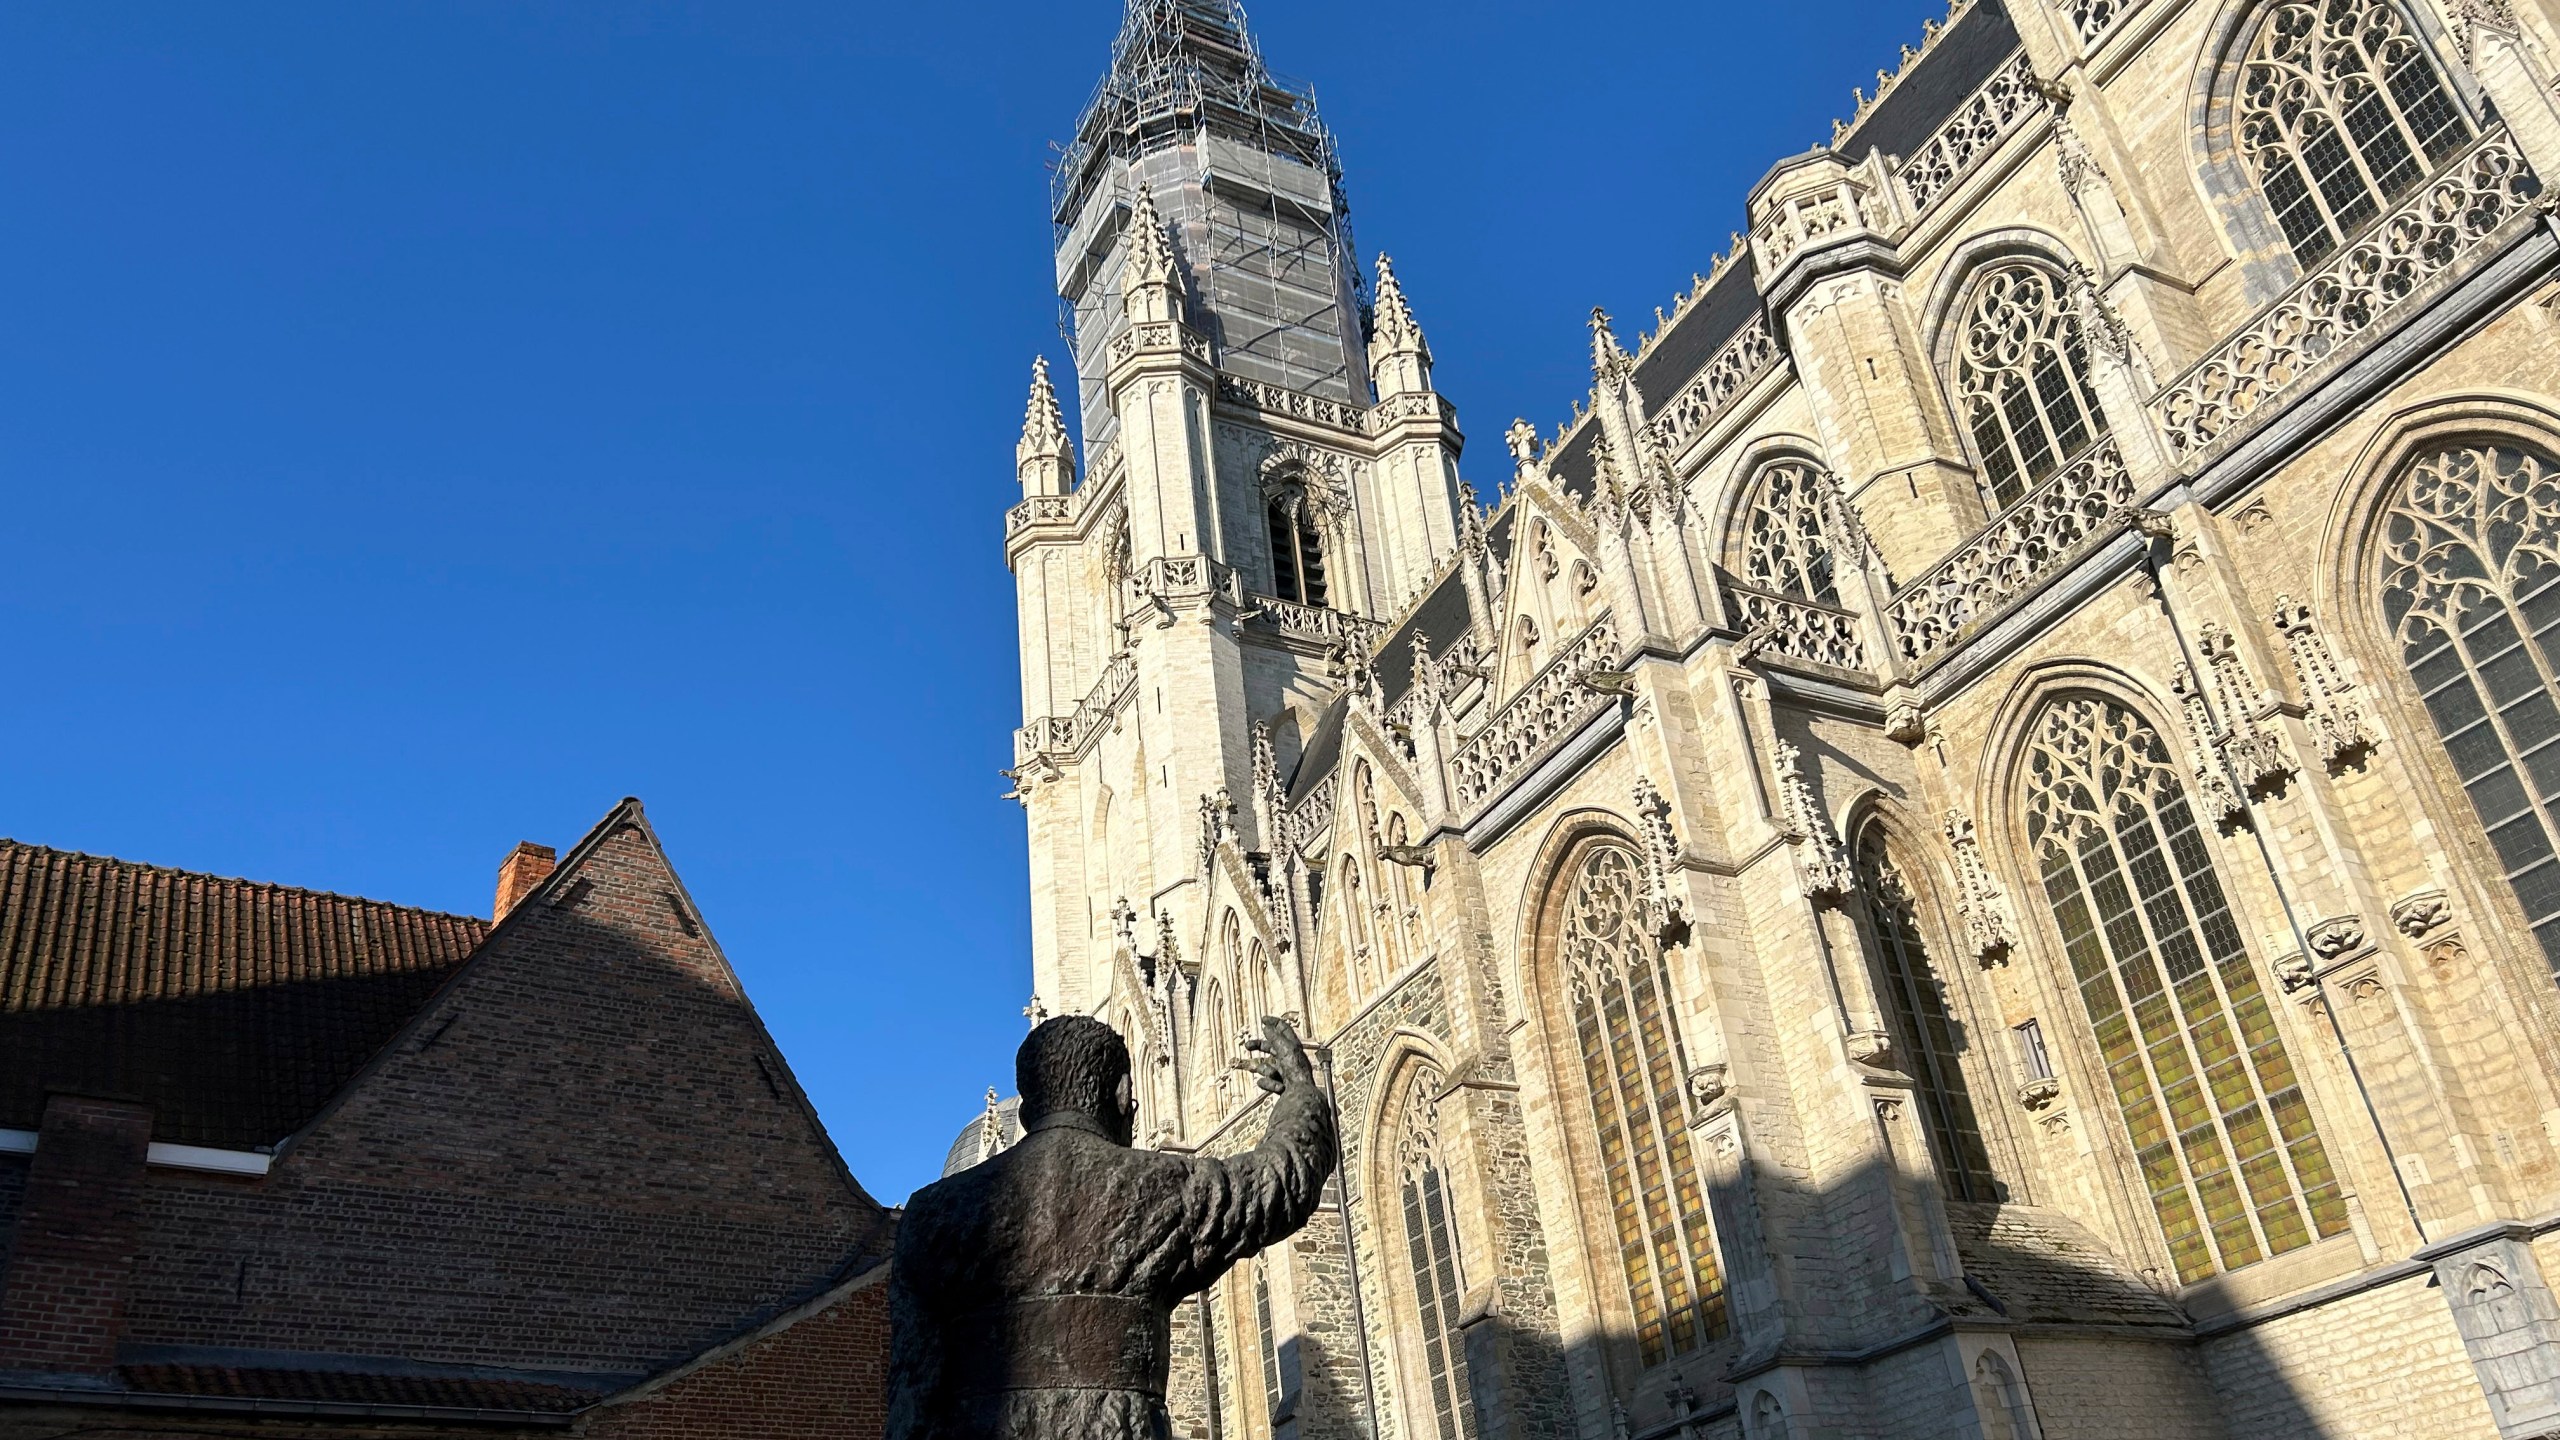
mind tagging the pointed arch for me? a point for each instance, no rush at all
(2015, 363)
(2220, 1127)
(2311, 117)
(1927, 1010)
(1410, 1173)
(1604, 1008)
(1781, 541)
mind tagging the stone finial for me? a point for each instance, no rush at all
(1399, 357)
(1045, 460)
(1609, 362)
(1150, 279)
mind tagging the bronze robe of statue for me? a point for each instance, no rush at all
(1032, 1295)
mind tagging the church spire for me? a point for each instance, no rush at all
(1609, 362)
(1045, 460)
(1150, 282)
(1399, 358)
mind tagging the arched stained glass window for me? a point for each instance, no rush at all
(2022, 380)
(1269, 1334)
(1431, 1248)
(2208, 1096)
(2471, 589)
(1924, 1026)
(1784, 549)
(1632, 1063)
(2341, 112)
(1297, 548)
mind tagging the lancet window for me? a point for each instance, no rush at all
(2210, 1103)
(1632, 1064)
(1269, 1334)
(1297, 547)
(1924, 1026)
(2341, 111)
(1784, 549)
(1431, 1250)
(2022, 371)
(2470, 576)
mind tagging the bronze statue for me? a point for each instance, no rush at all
(1031, 1296)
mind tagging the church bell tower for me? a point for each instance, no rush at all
(1267, 478)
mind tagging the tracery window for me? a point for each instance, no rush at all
(2471, 589)
(1297, 547)
(1924, 1028)
(2022, 380)
(1431, 1248)
(1272, 1389)
(1784, 549)
(1632, 1062)
(2208, 1096)
(2341, 112)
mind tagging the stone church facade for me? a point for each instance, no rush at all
(1970, 848)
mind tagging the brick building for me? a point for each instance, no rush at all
(278, 1161)
(1969, 847)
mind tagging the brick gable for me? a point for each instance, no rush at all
(584, 1155)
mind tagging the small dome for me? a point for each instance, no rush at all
(992, 1133)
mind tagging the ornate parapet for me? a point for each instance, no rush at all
(2009, 557)
(1751, 353)
(2437, 233)
(1064, 736)
(1314, 624)
(1549, 707)
(1798, 629)
(2009, 96)
(1039, 510)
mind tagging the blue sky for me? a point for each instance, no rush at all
(425, 423)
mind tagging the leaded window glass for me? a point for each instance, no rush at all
(2022, 381)
(2209, 1099)
(2341, 112)
(1632, 1064)
(2471, 590)
(1924, 1027)
(1784, 549)
(1431, 1247)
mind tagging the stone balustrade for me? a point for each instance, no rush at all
(1550, 706)
(2010, 556)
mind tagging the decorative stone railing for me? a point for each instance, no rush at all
(1179, 577)
(1301, 822)
(1800, 220)
(1039, 510)
(1158, 335)
(2009, 96)
(2434, 234)
(1067, 734)
(1297, 404)
(1798, 628)
(2094, 18)
(1744, 358)
(1314, 622)
(2020, 547)
(1550, 706)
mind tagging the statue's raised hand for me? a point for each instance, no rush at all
(1277, 1059)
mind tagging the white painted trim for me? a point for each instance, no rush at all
(166, 1156)
(218, 1162)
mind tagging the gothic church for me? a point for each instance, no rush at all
(1970, 848)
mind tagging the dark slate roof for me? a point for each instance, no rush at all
(971, 1146)
(1680, 352)
(235, 1010)
(1572, 466)
(1934, 85)
(1323, 752)
(1441, 618)
(2043, 1266)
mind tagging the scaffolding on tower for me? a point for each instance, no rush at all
(1238, 159)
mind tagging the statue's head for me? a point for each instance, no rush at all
(1075, 1064)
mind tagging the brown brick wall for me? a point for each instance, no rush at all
(71, 1254)
(823, 1378)
(585, 1155)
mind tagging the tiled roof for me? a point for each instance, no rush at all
(1936, 85)
(339, 1387)
(235, 1010)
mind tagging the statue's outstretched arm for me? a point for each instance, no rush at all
(1234, 1208)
